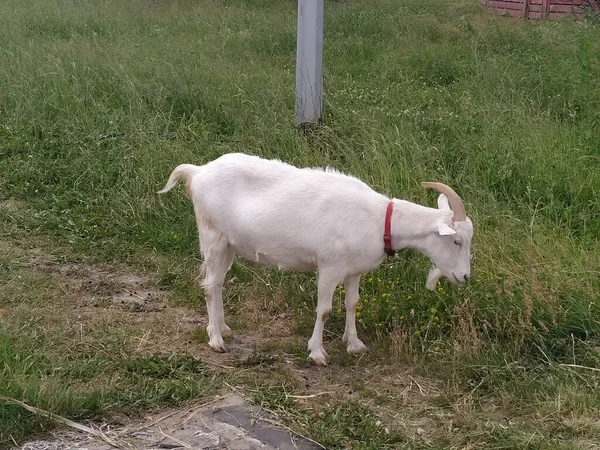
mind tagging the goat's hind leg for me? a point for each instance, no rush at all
(327, 281)
(354, 345)
(218, 257)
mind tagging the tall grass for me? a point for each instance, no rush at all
(100, 100)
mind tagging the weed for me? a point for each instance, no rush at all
(334, 426)
(172, 366)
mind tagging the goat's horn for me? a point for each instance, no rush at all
(456, 203)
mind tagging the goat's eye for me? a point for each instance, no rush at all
(457, 242)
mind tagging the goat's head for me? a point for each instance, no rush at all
(450, 249)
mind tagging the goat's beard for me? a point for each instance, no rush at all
(432, 279)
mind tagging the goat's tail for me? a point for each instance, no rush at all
(183, 171)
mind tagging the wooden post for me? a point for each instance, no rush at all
(545, 8)
(309, 62)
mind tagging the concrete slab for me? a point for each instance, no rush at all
(229, 424)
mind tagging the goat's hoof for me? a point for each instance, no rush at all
(319, 357)
(218, 346)
(225, 331)
(357, 347)
(321, 362)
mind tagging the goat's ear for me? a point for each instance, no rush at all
(443, 202)
(444, 229)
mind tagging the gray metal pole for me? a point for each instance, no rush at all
(309, 62)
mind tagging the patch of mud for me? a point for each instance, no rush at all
(140, 301)
(241, 346)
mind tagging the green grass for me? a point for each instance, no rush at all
(100, 100)
(86, 385)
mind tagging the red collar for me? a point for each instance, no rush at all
(387, 233)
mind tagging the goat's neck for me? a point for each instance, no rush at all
(413, 224)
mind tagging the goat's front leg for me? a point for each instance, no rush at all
(326, 286)
(355, 345)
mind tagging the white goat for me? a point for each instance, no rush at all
(305, 219)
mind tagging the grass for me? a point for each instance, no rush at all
(98, 102)
(60, 356)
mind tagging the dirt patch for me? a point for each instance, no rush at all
(88, 298)
(11, 206)
(97, 285)
(96, 297)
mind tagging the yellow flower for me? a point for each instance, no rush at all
(436, 348)
(417, 333)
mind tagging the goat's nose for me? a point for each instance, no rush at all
(466, 277)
